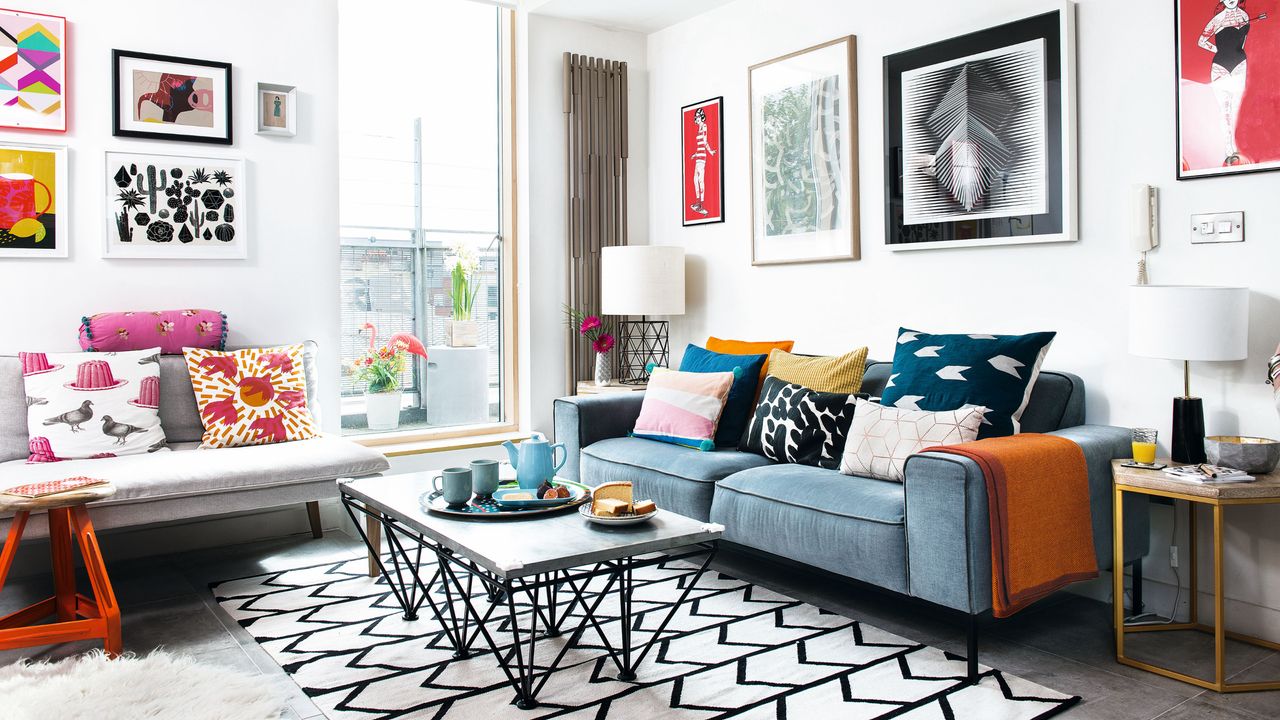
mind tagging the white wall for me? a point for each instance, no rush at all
(1126, 112)
(287, 289)
(543, 183)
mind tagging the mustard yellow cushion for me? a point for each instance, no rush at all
(835, 374)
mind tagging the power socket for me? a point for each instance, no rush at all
(1173, 556)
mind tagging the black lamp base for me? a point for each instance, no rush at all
(1188, 430)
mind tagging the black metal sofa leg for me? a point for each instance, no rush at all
(973, 649)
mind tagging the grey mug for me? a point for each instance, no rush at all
(484, 477)
(454, 485)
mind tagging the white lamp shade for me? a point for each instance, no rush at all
(1187, 322)
(642, 280)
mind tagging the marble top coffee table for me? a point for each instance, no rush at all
(513, 573)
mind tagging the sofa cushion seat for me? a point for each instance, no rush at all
(853, 526)
(677, 478)
(186, 470)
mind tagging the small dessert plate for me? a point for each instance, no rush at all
(585, 510)
(502, 497)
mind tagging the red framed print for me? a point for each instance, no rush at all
(701, 132)
(33, 71)
(1228, 55)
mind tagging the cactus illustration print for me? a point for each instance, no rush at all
(164, 206)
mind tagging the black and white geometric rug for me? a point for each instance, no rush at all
(733, 650)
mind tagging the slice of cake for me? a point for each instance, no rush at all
(611, 507)
(620, 491)
(644, 507)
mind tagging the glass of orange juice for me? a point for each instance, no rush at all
(1144, 446)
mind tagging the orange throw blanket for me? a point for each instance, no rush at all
(1041, 527)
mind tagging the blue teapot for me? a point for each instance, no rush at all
(534, 460)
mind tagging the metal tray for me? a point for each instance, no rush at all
(489, 509)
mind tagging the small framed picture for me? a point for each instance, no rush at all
(277, 109)
(170, 206)
(33, 201)
(33, 88)
(161, 97)
(703, 160)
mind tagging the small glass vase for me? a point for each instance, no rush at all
(604, 373)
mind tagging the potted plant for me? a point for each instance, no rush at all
(463, 289)
(599, 334)
(380, 368)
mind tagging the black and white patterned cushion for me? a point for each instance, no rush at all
(793, 424)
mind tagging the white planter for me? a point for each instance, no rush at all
(463, 333)
(382, 410)
(603, 370)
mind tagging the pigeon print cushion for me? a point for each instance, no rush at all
(98, 405)
(947, 372)
(882, 438)
(251, 397)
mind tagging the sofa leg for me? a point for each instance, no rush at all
(373, 530)
(1138, 605)
(313, 514)
(973, 649)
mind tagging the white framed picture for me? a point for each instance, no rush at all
(175, 206)
(33, 201)
(277, 109)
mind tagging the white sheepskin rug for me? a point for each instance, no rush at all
(158, 686)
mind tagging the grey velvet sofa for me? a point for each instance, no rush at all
(927, 538)
(186, 482)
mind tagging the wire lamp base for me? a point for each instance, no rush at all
(641, 342)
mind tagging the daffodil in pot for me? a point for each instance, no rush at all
(379, 369)
(463, 288)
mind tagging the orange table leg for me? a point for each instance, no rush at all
(16, 527)
(64, 567)
(104, 595)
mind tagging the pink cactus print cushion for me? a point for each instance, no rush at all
(171, 330)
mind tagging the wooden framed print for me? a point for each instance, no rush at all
(980, 136)
(277, 109)
(160, 97)
(33, 71)
(701, 133)
(804, 155)
(33, 201)
(1228, 56)
(171, 206)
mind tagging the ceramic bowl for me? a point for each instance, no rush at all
(1252, 454)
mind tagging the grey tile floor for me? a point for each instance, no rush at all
(1064, 643)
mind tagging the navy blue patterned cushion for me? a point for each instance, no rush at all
(742, 396)
(947, 372)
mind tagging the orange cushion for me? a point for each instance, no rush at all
(742, 347)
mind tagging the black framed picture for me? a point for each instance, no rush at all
(980, 136)
(161, 97)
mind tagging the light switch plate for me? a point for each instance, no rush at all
(1217, 228)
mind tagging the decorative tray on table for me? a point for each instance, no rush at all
(493, 508)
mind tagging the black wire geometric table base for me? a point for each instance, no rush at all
(463, 623)
(641, 342)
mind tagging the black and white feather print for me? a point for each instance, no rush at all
(793, 424)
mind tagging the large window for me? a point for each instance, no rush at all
(425, 187)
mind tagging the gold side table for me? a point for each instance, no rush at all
(1264, 491)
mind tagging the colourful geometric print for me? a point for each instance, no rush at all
(251, 397)
(32, 71)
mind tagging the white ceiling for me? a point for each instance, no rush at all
(642, 16)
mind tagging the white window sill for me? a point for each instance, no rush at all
(399, 444)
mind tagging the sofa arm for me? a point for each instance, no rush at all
(949, 530)
(586, 419)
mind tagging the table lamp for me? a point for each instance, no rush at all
(644, 281)
(1189, 323)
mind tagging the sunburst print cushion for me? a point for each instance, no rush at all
(82, 405)
(251, 397)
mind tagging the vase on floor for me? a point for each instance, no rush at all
(604, 373)
(382, 410)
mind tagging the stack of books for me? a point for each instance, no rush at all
(1208, 474)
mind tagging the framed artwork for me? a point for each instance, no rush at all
(33, 71)
(702, 136)
(804, 155)
(980, 136)
(1228, 88)
(33, 201)
(169, 206)
(160, 97)
(277, 105)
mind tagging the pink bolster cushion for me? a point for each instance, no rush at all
(171, 330)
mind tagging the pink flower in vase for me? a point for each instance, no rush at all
(589, 323)
(603, 344)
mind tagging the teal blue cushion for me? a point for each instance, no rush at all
(947, 372)
(742, 396)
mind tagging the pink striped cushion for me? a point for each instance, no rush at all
(683, 407)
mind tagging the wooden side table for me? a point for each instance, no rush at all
(1264, 491)
(79, 617)
(590, 388)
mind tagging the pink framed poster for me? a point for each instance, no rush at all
(33, 71)
(702, 162)
(1228, 55)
